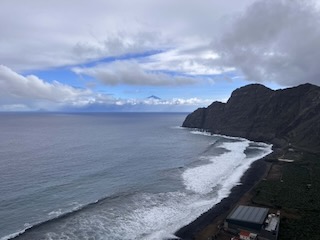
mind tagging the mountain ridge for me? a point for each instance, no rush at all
(154, 97)
(283, 117)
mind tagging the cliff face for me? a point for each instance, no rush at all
(258, 113)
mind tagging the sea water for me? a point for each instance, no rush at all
(112, 176)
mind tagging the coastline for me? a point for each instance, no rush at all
(206, 225)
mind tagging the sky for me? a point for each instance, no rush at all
(151, 55)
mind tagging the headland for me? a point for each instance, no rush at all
(290, 120)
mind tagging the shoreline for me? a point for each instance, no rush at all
(205, 225)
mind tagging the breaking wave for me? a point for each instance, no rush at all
(143, 215)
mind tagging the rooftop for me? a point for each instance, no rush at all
(272, 223)
(249, 214)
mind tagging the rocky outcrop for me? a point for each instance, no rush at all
(282, 117)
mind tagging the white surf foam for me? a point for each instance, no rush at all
(157, 216)
(209, 134)
(177, 127)
(220, 168)
(13, 235)
(224, 170)
(198, 132)
(74, 206)
(55, 213)
(145, 217)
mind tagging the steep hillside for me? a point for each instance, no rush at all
(258, 113)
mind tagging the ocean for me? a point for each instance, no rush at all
(112, 175)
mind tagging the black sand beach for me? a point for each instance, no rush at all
(251, 177)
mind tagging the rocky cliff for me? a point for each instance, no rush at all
(282, 117)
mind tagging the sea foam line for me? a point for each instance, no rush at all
(198, 131)
(199, 181)
(179, 208)
(16, 234)
(226, 169)
(56, 215)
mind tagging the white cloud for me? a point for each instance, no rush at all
(131, 73)
(174, 101)
(192, 60)
(271, 41)
(275, 41)
(151, 105)
(21, 93)
(38, 34)
(35, 93)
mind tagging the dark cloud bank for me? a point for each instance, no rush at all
(276, 40)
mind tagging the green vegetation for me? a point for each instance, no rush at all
(296, 192)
